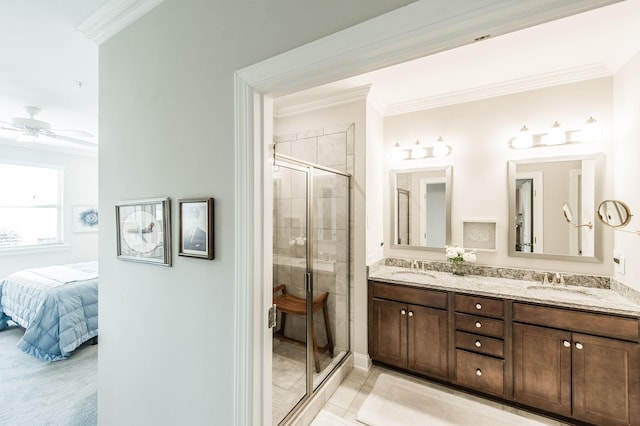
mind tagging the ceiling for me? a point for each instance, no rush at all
(584, 46)
(46, 62)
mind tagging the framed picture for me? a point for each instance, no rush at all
(144, 231)
(196, 227)
(85, 218)
(479, 235)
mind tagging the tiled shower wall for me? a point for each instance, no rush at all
(330, 147)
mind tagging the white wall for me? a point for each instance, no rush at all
(80, 188)
(166, 352)
(626, 173)
(478, 133)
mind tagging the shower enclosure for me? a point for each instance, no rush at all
(310, 279)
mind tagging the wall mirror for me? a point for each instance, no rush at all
(421, 208)
(541, 192)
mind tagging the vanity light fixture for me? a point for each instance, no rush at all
(419, 151)
(557, 135)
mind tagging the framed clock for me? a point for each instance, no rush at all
(144, 231)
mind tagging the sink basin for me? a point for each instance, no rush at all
(573, 293)
(411, 275)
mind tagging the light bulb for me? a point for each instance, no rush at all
(396, 152)
(556, 136)
(591, 132)
(418, 151)
(523, 140)
(440, 149)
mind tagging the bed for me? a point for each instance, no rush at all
(56, 305)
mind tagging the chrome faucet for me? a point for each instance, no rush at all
(559, 279)
(414, 265)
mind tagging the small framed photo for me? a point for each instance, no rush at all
(196, 227)
(144, 231)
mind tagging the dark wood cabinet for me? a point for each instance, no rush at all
(542, 368)
(427, 341)
(590, 378)
(406, 335)
(606, 380)
(577, 364)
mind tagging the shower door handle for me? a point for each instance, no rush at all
(307, 282)
(272, 316)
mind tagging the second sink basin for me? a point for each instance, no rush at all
(570, 292)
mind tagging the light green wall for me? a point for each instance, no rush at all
(167, 129)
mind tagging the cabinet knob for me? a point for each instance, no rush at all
(478, 372)
(478, 324)
(579, 345)
(403, 312)
(410, 313)
(566, 344)
(478, 343)
(478, 306)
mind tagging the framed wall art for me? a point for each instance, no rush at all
(85, 218)
(144, 231)
(196, 227)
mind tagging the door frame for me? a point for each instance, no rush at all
(419, 29)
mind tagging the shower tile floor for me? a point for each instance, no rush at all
(288, 380)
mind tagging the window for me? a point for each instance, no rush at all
(30, 205)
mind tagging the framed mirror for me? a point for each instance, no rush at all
(541, 194)
(421, 208)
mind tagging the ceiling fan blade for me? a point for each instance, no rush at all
(13, 129)
(73, 140)
(81, 133)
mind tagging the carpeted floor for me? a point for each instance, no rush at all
(36, 393)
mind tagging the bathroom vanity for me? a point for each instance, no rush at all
(564, 350)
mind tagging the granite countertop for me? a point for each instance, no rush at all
(587, 298)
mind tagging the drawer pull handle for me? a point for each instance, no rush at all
(478, 324)
(566, 344)
(403, 312)
(410, 313)
(579, 345)
(478, 372)
(478, 343)
(478, 306)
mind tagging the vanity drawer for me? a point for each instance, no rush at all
(413, 295)
(480, 325)
(479, 305)
(584, 322)
(481, 344)
(480, 371)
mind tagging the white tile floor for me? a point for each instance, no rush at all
(342, 408)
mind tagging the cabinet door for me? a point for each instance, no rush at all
(606, 383)
(427, 341)
(542, 368)
(388, 332)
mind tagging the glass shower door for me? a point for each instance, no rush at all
(290, 275)
(330, 248)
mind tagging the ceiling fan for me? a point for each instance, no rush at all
(32, 127)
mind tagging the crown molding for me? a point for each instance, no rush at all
(535, 82)
(322, 101)
(113, 17)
